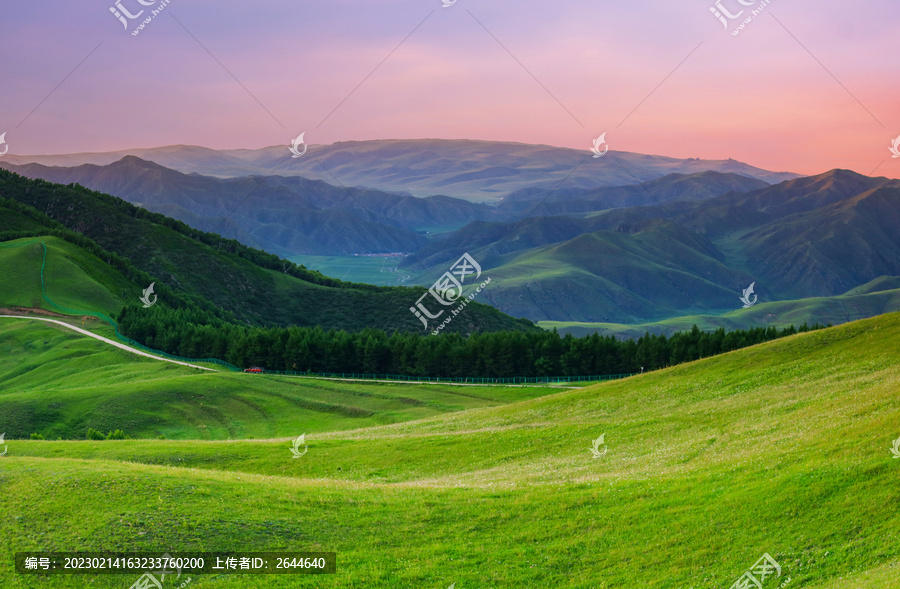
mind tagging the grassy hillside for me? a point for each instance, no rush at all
(658, 271)
(780, 448)
(58, 384)
(72, 277)
(866, 301)
(23, 261)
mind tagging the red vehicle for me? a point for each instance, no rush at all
(255, 369)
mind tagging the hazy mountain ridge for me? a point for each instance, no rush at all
(281, 214)
(698, 186)
(294, 215)
(480, 171)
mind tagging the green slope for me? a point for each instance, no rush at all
(72, 277)
(58, 383)
(656, 271)
(781, 448)
(21, 259)
(882, 283)
(866, 301)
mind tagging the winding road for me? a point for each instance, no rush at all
(106, 340)
(141, 353)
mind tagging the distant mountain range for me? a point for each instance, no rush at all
(284, 215)
(293, 215)
(808, 237)
(534, 202)
(625, 239)
(478, 171)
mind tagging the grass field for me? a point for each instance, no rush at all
(112, 389)
(781, 448)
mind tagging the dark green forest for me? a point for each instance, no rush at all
(199, 334)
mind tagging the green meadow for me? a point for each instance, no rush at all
(73, 278)
(58, 383)
(782, 448)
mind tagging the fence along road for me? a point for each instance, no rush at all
(108, 341)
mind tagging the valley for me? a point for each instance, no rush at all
(446, 294)
(380, 270)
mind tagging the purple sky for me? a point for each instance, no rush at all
(807, 86)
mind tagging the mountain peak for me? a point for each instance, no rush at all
(133, 160)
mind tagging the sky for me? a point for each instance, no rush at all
(806, 86)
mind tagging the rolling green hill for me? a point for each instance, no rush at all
(656, 270)
(782, 448)
(59, 384)
(72, 277)
(871, 299)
